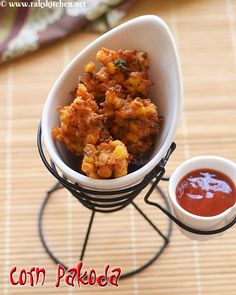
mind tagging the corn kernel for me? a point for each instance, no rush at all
(101, 54)
(141, 111)
(111, 67)
(64, 117)
(87, 167)
(134, 81)
(89, 67)
(88, 159)
(90, 139)
(120, 153)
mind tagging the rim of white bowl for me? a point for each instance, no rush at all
(190, 163)
(102, 184)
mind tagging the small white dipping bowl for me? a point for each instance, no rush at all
(198, 222)
(148, 33)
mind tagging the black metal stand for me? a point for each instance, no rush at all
(161, 247)
(117, 200)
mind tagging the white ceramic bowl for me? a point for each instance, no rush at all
(148, 33)
(198, 222)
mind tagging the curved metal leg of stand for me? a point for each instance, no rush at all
(165, 237)
(56, 187)
(87, 235)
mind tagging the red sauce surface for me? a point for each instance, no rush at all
(206, 192)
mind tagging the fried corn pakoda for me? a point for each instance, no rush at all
(115, 99)
(135, 124)
(122, 67)
(80, 123)
(109, 159)
(133, 121)
(111, 120)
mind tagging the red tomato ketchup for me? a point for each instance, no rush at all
(206, 192)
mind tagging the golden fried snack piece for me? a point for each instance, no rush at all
(138, 84)
(122, 67)
(107, 160)
(133, 61)
(79, 123)
(135, 124)
(115, 99)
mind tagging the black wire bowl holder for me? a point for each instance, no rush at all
(117, 200)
